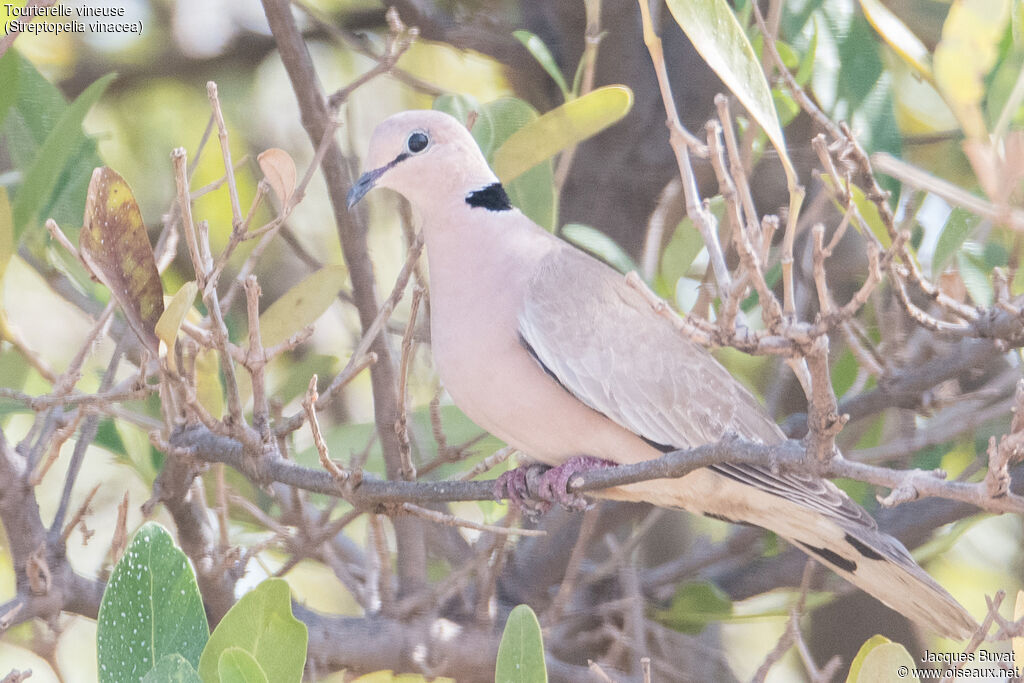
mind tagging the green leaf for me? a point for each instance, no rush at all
(682, 250)
(849, 79)
(35, 113)
(8, 83)
(172, 668)
(695, 605)
(858, 661)
(966, 53)
(14, 371)
(900, 38)
(495, 121)
(844, 372)
(957, 229)
(878, 659)
(209, 391)
(109, 438)
(718, 37)
(459, 106)
(167, 326)
(238, 666)
(789, 57)
(302, 304)
(66, 137)
(542, 54)
(261, 623)
(456, 426)
(975, 273)
(600, 245)
(867, 208)
(150, 608)
(806, 68)
(521, 652)
(561, 128)
(533, 192)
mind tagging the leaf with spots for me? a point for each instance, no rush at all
(115, 246)
(521, 652)
(151, 608)
(262, 625)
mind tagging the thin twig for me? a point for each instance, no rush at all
(401, 425)
(225, 148)
(452, 520)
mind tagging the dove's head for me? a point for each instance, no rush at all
(426, 156)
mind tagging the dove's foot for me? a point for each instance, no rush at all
(534, 488)
(521, 487)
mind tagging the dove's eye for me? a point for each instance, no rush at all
(417, 142)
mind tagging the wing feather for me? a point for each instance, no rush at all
(607, 346)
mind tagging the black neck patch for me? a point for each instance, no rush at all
(492, 198)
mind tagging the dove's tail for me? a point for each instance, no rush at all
(825, 523)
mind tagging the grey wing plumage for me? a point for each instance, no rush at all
(604, 343)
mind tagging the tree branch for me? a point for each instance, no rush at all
(315, 119)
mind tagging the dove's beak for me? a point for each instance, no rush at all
(363, 185)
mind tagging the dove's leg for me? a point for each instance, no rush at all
(534, 488)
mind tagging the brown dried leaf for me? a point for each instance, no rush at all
(120, 540)
(952, 285)
(115, 246)
(279, 169)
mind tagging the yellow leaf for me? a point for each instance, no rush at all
(115, 245)
(920, 108)
(560, 129)
(898, 36)
(301, 305)
(878, 659)
(965, 55)
(174, 314)
(279, 169)
(208, 389)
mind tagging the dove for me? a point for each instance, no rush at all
(552, 351)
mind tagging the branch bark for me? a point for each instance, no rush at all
(315, 119)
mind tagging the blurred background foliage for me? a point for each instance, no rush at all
(923, 99)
